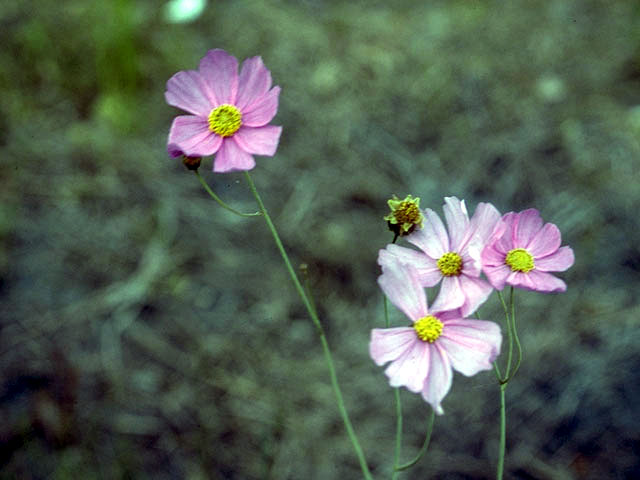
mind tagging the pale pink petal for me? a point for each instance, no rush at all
(545, 242)
(497, 275)
(476, 291)
(231, 157)
(410, 369)
(188, 91)
(544, 282)
(427, 267)
(258, 141)
(471, 261)
(520, 280)
(455, 212)
(401, 284)
(438, 381)
(191, 136)
(220, 71)
(559, 261)
(450, 295)
(492, 257)
(432, 239)
(388, 344)
(481, 226)
(471, 345)
(526, 225)
(253, 83)
(263, 110)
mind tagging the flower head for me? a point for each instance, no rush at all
(229, 112)
(423, 355)
(453, 257)
(405, 215)
(522, 252)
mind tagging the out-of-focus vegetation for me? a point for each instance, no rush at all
(147, 333)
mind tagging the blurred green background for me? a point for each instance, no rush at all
(147, 333)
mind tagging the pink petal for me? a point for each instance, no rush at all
(438, 381)
(258, 141)
(262, 110)
(481, 226)
(476, 291)
(520, 280)
(471, 345)
(545, 242)
(492, 257)
(559, 261)
(432, 239)
(220, 72)
(401, 284)
(253, 83)
(231, 157)
(455, 212)
(427, 268)
(450, 295)
(388, 344)
(471, 261)
(411, 368)
(191, 136)
(188, 91)
(526, 225)
(497, 275)
(542, 282)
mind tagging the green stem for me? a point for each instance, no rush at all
(319, 328)
(509, 336)
(503, 432)
(424, 447)
(219, 200)
(398, 449)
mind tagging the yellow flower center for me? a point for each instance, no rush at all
(450, 264)
(408, 212)
(428, 328)
(520, 260)
(225, 120)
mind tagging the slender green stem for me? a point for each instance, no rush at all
(503, 431)
(219, 200)
(398, 449)
(510, 339)
(424, 447)
(319, 328)
(512, 306)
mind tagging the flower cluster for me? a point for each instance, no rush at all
(515, 249)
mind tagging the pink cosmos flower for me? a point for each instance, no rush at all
(523, 251)
(230, 112)
(454, 257)
(422, 355)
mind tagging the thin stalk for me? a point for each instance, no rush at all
(398, 449)
(425, 445)
(503, 432)
(510, 338)
(219, 200)
(319, 328)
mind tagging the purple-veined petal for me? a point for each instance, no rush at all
(450, 295)
(401, 284)
(492, 257)
(191, 136)
(220, 71)
(411, 368)
(527, 224)
(427, 267)
(388, 344)
(254, 81)
(545, 282)
(231, 157)
(188, 91)
(497, 275)
(481, 226)
(263, 110)
(457, 217)
(545, 242)
(558, 261)
(476, 291)
(258, 141)
(471, 345)
(432, 239)
(471, 261)
(438, 381)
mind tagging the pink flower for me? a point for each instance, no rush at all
(453, 258)
(230, 112)
(523, 251)
(422, 355)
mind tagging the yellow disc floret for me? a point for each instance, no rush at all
(520, 260)
(450, 264)
(428, 328)
(225, 120)
(405, 215)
